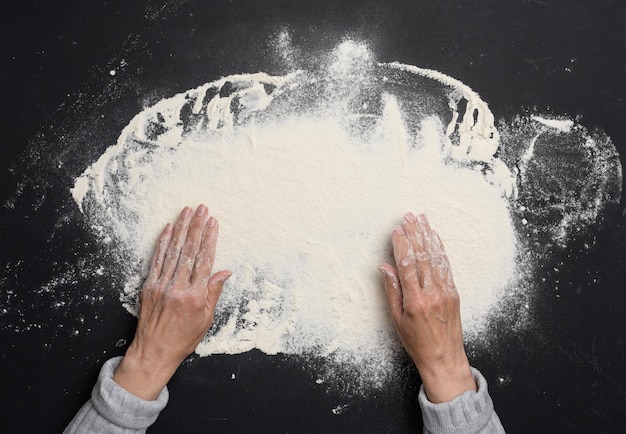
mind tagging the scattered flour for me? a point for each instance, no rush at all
(568, 177)
(308, 174)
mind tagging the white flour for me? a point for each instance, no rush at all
(308, 174)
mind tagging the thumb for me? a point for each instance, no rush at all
(394, 291)
(215, 286)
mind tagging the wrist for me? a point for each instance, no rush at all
(141, 377)
(446, 383)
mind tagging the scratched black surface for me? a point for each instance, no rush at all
(61, 108)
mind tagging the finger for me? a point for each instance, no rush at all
(416, 239)
(405, 260)
(432, 244)
(206, 256)
(424, 251)
(394, 291)
(215, 287)
(442, 270)
(191, 247)
(436, 245)
(150, 294)
(442, 273)
(156, 265)
(176, 243)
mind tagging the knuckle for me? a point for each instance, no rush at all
(416, 308)
(195, 227)
(184, 299)
(195, 299)
(198, 301)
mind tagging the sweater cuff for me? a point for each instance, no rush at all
(467, 413)
(119, 406)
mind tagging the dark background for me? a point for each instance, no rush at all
(61, 107)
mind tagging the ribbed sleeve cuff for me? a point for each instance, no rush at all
(471, 412)
(119, 406)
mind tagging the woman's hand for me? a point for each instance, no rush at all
(426, 311)
(177, 303)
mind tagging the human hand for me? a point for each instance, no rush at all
(177, 304)
(425, 309)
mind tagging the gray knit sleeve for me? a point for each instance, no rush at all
(471, 412)
(112, 409)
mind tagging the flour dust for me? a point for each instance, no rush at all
(309, 172)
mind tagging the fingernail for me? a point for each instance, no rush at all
(212, 222)
(226, 276)
(398, 230)
(409, 217)
(202, 210)
(422, 219)
(383, 271)
(186, 212)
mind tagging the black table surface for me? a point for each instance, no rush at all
(62, 106)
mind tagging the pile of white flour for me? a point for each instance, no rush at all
(308, 174)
